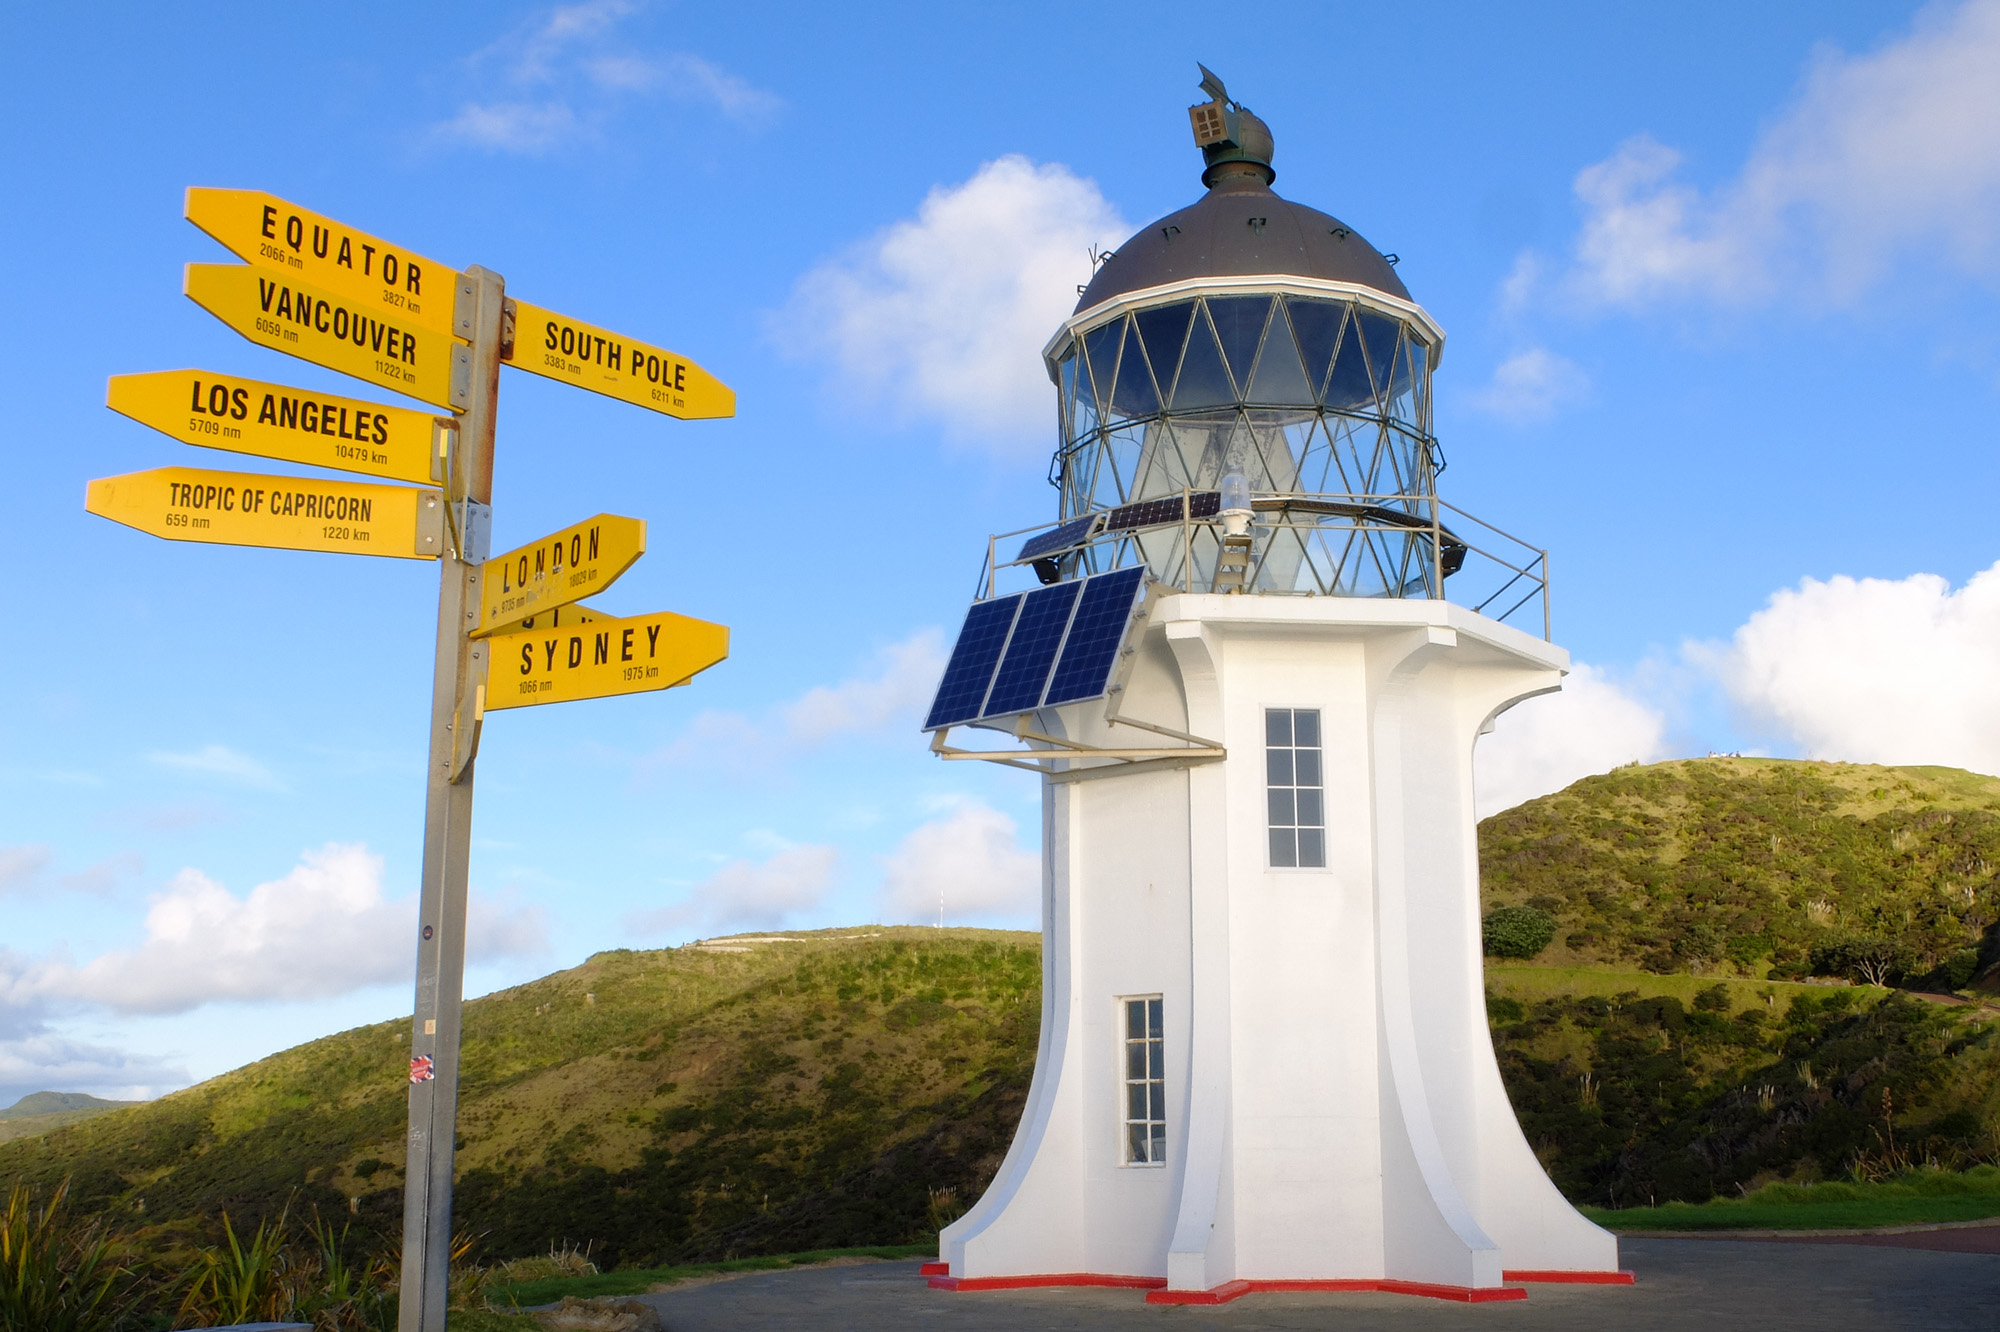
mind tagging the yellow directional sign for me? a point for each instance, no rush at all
(284, 512)
(546, 343)
(562, 617)
(368, 272)
(327, 329)
(272, 421)
(597, 660)
(577, 562)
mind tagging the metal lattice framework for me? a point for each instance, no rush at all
(1320, 397)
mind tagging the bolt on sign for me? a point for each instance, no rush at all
(285, 314)
(293, 425)
(565, 349)
(601, 659)
(577, 562)
(368, 272)
(281, 512)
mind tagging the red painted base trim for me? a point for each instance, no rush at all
(1573, 1278)
(1050, 1279)
(935, 1269)
(1231, 1290)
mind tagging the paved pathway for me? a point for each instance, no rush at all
(1711, 1285)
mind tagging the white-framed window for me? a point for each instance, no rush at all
(1145, 1081)
(1296, 788)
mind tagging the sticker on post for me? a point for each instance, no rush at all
(421, 1069)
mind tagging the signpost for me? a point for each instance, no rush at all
(340, 298)
(293, 425)
(558, 347)
(280, 512)
(600, 659)
(285, 314)
(565, 566)
(365, 270)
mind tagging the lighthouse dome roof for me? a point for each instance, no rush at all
(1241, 228)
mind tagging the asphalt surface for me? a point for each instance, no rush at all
(1707, 1284)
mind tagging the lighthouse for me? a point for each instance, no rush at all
(1249, 660)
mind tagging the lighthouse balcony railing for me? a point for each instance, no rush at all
(1394, 546)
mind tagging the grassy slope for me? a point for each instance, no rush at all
(851, 1087)
(667, 1105)
(1732, 866)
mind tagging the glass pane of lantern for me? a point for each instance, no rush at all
(1203, 382)
(1279, 379)
(1136, 395)
(1380, 332)
(1164, 329)
(1317, 324)
(1239, 323)
(1067, 371)
(1100, 347)
(1348, 388)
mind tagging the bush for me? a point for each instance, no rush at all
(56, 1274)
(1870, 959)
(1519, 932)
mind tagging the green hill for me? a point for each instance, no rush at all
(42, 1111)
(786, 1092)
(767, 1094)
(1749, 867)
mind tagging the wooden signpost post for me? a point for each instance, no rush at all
(509, 631)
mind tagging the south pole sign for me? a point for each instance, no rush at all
(509, 633)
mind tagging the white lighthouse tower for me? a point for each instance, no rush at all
(1250, 662)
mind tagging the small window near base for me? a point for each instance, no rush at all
(1145, 1083)
(1295, 788)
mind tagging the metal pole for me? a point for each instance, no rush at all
(455, 692)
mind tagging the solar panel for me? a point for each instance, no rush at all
(1069, 534)
(962, 692)
(1096, 633)
(1153, 513)
(1057, 644)
(1031, 652)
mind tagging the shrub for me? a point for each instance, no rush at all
(1519, 932)
(56, 1275)
(1868, 958)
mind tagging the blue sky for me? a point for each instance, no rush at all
(1719, 285)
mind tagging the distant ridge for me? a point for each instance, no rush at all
(40, 1112)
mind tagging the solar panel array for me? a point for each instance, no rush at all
(1152, 513)
(1037, 649)
(1072, 533)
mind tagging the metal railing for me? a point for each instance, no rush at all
(1393, 546)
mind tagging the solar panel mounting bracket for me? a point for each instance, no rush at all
(1122, 760)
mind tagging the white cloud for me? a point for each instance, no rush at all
(1531, 386)
(886, 697)
(943, 316)
(1544, 744)
(563, 79)
(20, 865)
(101, 878)
(220, 761)
(323, 929)
(528, 128)
(1873, 670)
(972, 856)
(1879, 155)
(748, 894)
(893, 693)
(48, 1062)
